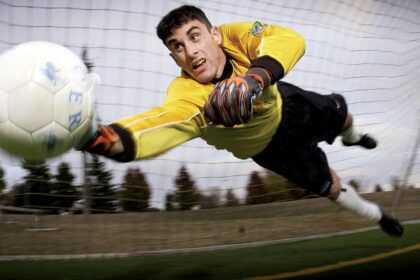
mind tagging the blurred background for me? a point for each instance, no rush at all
(368, 51)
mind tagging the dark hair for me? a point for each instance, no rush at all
(177, 18)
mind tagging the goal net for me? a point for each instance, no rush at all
(368, 51)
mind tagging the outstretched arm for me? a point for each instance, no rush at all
(147, 134)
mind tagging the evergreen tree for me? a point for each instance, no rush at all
(281, 189)
(100, 189)
(277, 186)
(378, 188)
(17, 195)
(2, 184)
(257, 191)
(37, 186)
(169, 202)
(135, 191)
(231, 199)
(63, 190)
(211, 199)
(186, 194)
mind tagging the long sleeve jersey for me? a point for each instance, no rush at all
(181, 118)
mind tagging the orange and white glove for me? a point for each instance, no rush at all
(102, 141)
(111, 141)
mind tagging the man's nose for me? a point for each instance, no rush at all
(191, 50)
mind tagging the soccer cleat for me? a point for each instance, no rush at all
(391, 225)
(366, 141)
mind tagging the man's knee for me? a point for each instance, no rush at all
(348, 122)
(335, 186)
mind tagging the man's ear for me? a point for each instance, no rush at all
(171, 55)
(217, 36)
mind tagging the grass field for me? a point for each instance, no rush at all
(147, 238)
(139, 232)
(343, 257)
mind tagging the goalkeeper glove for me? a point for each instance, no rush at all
(231, 100)
(111, 141)
(102, 142)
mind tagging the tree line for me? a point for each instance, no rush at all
(58, 193)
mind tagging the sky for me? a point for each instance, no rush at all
(368, 51)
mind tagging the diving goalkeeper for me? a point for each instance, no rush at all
(230, 94)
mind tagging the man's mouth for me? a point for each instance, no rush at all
(198, 65)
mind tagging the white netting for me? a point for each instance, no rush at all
(369, 51)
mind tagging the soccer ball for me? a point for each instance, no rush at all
(46, 100)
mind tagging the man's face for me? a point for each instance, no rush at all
(197, 51)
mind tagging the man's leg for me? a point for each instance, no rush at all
(295, 156)
(350, 137)
(347, 197)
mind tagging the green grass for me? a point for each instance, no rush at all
(238, 263)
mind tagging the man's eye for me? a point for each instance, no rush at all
(177, 47)
(195, 36)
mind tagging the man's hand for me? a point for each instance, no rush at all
(105, 142)
(230, 102)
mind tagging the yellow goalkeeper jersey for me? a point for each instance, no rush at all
(181, 118)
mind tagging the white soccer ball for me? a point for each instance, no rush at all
(46, 100)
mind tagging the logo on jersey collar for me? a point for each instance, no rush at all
(257, 28)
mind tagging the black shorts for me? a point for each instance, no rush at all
(307, 119)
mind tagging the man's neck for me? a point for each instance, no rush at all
(227, 70)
